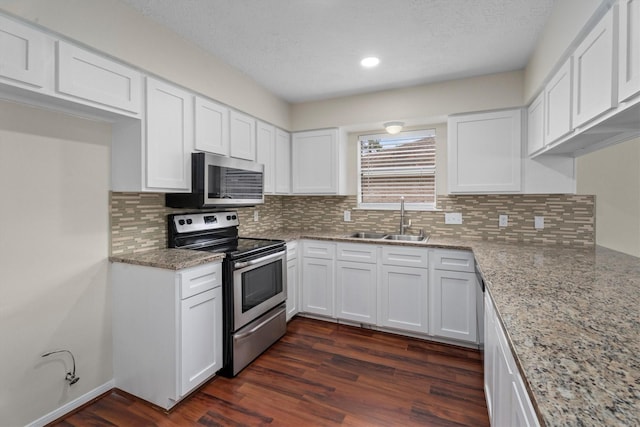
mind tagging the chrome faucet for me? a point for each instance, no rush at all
(403, 226)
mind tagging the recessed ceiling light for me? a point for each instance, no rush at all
(370, 61)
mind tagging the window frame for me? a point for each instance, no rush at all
(394, 206)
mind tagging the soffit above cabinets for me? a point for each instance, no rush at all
(308, 49)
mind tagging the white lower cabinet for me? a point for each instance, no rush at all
(292, 280)
(356, 292)
(167, 330)
(403, 298)
(356, 282)
(318, 277)
(453, 288)
(507, 399)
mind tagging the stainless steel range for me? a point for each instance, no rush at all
(254, 282)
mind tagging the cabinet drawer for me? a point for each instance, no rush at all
(357, 253)
(314, 249)
(407, 257)
(199, 279)
(442, 259)
(92, 77)
(292, 251)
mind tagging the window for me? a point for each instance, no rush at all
(394, 166)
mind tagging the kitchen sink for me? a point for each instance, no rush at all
(367, 235)
(406, 238)
(383, 236)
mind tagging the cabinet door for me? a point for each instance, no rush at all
(629, 49)
(201, 344)
(535, 125)
(169, 136)
(503, 378)
(292, 288)
(283, 162)
(453, 305)
(24, 53)
(490, 346)
(356, 285)
(265, 153)
(317, 286)
(522, 412)
(242, 135)
(403, 298)
(485, 152)
(86, 75)
(593, 66)
(558, 101)
(211, 127)
(315, 162)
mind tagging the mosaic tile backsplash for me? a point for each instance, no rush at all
(138, 220)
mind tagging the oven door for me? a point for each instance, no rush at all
(259, 285)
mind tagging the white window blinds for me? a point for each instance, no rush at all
(393, 166)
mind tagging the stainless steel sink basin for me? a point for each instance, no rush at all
(406, 238)
(366, 235)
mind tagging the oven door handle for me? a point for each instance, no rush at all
(239, 265)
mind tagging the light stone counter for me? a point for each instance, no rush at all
(170, 259)
(572, 318)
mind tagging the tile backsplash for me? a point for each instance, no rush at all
(138, 220)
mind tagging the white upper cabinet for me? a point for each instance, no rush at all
(535, 125)
(557, 105)
(266, 153)
(593, 72)
(629, 49)
(91, 77)
(211, 127)
(283, 162)
(242, 134)
(25, 54)
(484, 152)
(318, 160)
(169, 136)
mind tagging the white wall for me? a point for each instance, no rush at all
(416, 105)
(565, 23)
(613, 175)
(118, 30)
(54, 293)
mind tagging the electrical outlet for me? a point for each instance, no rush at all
(347, 216)
(453, 218)
(503, 220)
(256, 216)
(538, 222)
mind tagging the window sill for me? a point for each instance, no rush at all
(395, 207)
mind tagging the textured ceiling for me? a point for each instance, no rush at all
(304, 50)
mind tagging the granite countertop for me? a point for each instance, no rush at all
(572, 318)
(170, 259)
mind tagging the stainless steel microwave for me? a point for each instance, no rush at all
(218, 181)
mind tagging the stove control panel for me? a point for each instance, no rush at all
(186, 223)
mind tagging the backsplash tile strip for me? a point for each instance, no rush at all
(139, 220)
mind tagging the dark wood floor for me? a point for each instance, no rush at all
(323, 374)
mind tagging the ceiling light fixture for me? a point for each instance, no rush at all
(393, 127)
(370, 62)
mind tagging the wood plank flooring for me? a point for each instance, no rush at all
(324, 374)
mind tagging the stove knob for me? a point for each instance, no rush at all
(189, 221)
(228, 217)
(234, 217)
(181, 222)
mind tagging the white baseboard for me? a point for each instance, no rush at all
(77, 402)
